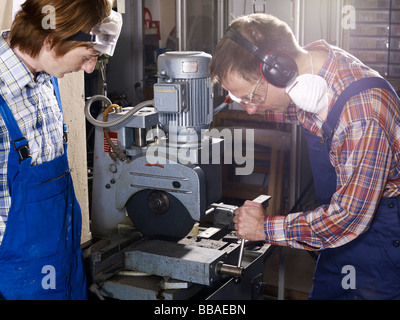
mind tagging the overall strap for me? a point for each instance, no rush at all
(54, 81)
(354, 89)
(18, 141)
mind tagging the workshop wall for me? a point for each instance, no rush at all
(72, 96)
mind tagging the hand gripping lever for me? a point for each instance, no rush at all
(238, 271)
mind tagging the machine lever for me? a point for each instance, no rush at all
(263, 199)
(227, 269)
(241, 253)
(238, 271)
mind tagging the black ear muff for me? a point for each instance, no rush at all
(277, 67)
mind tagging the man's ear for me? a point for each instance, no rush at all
(48, 43)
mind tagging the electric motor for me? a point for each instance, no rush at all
(183, 94)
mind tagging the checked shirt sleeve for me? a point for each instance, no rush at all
(363, 157)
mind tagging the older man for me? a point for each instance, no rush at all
(351, 119)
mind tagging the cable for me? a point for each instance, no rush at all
(100, 124)
(118, 152)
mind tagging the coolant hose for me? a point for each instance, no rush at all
(101, 124)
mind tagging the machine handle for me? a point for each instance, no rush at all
(238, 271)
(263, 199)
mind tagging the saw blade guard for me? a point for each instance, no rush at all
(162, 200)
(159, 215)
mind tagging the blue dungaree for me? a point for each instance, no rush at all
(40, 256)
(374, 255)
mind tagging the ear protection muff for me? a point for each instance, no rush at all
(277, 67)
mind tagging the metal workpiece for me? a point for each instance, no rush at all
(223, 215)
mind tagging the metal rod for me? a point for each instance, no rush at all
(179, 23)
(227, 269)
(241, 253)
(140, 137)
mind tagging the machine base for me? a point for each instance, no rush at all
(131, 268)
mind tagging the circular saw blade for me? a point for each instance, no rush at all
(159, 215)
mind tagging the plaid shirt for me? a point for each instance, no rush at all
(37, 113)
(365, 153)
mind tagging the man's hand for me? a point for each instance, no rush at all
(249, 221)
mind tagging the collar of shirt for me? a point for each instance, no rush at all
(14, 75)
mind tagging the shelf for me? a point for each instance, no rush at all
(376, 40)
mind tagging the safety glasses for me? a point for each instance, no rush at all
(256, 97)
(103, 35)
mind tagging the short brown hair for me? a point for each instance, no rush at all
(71, 16)
(266, 32)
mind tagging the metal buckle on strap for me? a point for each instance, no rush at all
(65, 135)
(326, 137)
(22, 148)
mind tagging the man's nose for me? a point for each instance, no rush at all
(251, 109)
(89, 65)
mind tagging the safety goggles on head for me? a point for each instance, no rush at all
(103, 35)
(256, 97)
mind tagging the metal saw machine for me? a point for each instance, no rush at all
(156, 178)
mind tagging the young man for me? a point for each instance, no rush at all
(351, 119)
(40, 219)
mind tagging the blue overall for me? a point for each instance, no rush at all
(40, 256)
(369, 266)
